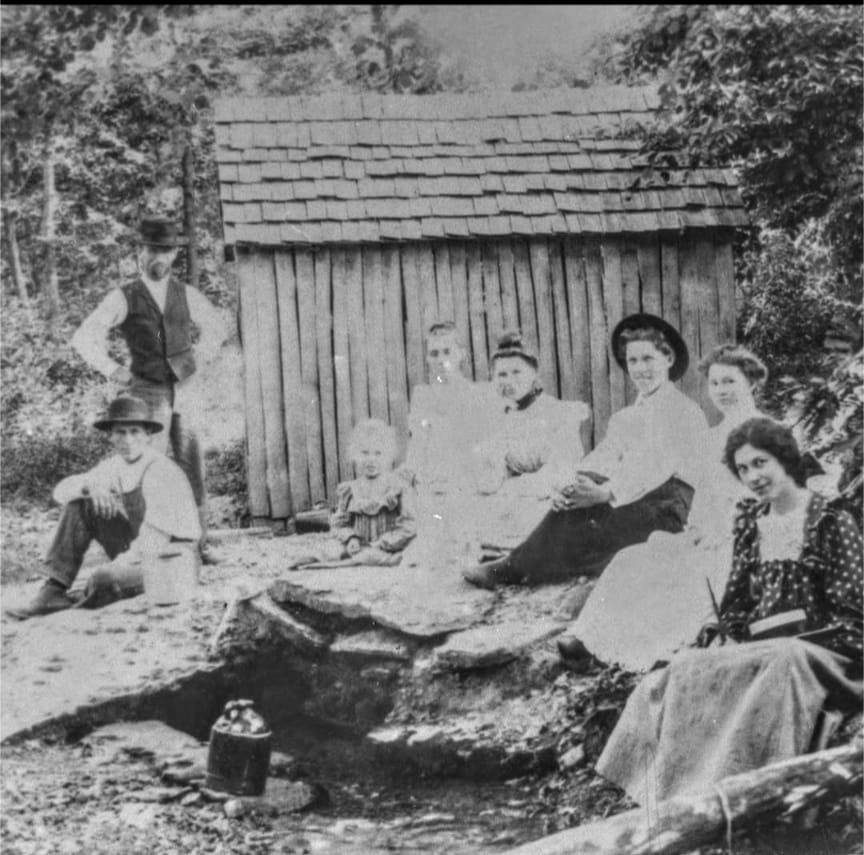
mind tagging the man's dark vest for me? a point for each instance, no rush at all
(160, 345)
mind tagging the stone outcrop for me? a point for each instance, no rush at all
(492, 644)
(428, 672)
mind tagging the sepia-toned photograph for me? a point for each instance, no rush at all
(431, 429)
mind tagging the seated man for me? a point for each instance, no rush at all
(639, 478)
(135, 499)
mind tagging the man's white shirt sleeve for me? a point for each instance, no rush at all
(91, 338)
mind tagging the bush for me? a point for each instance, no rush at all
(33, 465)
(787, 302)
(227, 493)
(49, 400)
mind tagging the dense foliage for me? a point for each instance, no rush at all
(109, 99)
(112, 98)
(776, 92)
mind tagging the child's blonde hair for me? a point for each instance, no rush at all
(376, 431)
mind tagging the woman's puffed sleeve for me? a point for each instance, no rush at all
(405, 530)
(738, 604)
(340, 519)
(841, 549)
(566, 448)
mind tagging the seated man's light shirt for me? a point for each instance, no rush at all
(169, 504)
(658, 437)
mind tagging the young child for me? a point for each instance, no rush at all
(375, 516)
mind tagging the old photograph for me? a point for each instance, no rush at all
(431, 429)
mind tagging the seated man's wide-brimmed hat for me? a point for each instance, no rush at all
(512, 344)
(161, 232)
(128, 410)
(643, 320)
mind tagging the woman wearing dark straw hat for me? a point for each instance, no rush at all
(135, 499)
(639, 478)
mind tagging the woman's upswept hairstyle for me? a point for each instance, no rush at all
(750, 365)
(374, 431)
(513, 344)
(772, 437)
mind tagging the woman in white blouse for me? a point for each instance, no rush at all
(536, 438)
(502, 491)
(640, 478)
(654, 597)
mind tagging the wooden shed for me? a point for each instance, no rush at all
(359, 220)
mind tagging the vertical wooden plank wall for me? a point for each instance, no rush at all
(334, 335)
(613, 297)
(272, 340)
(599, 332)
(539, 273)
(312, 420)
(344, 413)
(480, 349)
(461, 310)
(256, 449)
(324, 328)
(289, 339)
(373, 316)
(394, 345)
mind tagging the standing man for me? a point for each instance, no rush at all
(155, 313)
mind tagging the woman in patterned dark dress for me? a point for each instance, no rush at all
(729, 709)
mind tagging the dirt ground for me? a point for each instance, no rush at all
(59, 798)
(62, 799)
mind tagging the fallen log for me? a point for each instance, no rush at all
(684, 823)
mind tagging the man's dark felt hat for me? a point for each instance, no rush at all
(127, 410)
(159, 231)
(643, 320)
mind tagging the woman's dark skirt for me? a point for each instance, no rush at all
(581, 542)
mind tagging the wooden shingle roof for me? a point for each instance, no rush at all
(368, 168)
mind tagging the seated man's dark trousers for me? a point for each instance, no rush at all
(80, 525)
(581, 542)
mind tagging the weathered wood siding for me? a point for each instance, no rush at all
(332, 336)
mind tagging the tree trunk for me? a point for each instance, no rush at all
(10, 232)
(50, 286)
(10, 219)
(685, 823)
(189, 215)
